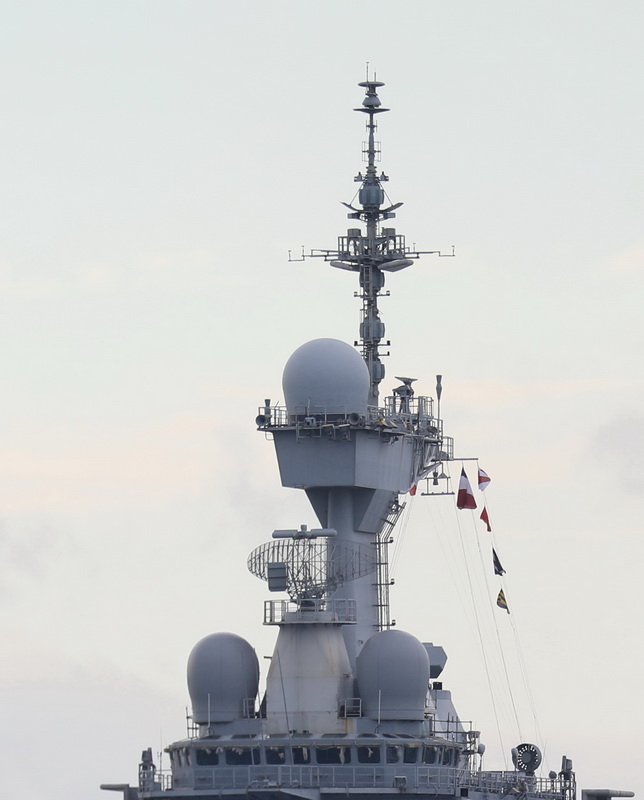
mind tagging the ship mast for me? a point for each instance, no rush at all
(373, 251)
(352, 452)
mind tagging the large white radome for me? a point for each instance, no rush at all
(326, 375)
(223, 673)
(393, 675)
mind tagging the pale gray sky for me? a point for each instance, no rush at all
(158, 161)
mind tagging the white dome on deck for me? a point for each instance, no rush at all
(393, 676)
(223, 671)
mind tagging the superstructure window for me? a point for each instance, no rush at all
(207, 757)
(410, 754)
(301, 755)
(368, 755)
(242, 756)
(333, 755)
(447, 756)
(392, 754)
(275, 755)
(429, 755)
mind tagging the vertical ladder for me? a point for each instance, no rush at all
(383, 540)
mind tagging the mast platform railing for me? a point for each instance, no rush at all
(417, 418)
(314, 610)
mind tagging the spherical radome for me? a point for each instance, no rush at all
(393, 676)
(326, 376)
(223, 672)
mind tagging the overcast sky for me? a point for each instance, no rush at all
(159, 159)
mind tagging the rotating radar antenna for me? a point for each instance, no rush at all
(309, 563)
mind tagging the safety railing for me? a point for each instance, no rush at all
(515, 784)
(280, 612)
(418, 414)
(443, 779)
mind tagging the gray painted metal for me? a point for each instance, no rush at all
(349, 709)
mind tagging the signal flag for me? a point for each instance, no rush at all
(465, 498)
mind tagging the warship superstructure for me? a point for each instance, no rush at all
(352, 706)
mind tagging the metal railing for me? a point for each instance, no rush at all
(420, 410)
(358, 776)
(279, 612)
(438, 779)
(515, 784)
(315, 421)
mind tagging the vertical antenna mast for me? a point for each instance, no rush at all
(371, 197)
(375, 251)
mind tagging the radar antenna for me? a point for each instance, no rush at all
(375, 251)
(309, 563)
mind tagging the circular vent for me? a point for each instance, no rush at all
(526, 757)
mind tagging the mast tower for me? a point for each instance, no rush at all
(375, 250)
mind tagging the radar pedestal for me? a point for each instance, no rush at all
(310, 675)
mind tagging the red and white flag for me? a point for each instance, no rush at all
(486, 519)
(484, 479)
(465, 497)
(412, 491)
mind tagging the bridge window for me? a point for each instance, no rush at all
(333, 755)
(242, 756)
(447, 756)
(301, 755)
(410, 754)
(392, 754)
(368, 755)
(207, 757)
(275, 755)
(429, 755)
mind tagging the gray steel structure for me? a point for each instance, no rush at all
(352, 706)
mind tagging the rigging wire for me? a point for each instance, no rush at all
(480, 635)
(526, 683)
(398, 544)
(474, 619)
(521, 661)
(451, 559)
(493, 616)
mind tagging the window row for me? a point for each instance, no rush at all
(299, 755)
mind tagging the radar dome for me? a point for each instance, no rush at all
(326, 376)
(393, 676)
(223, 672)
